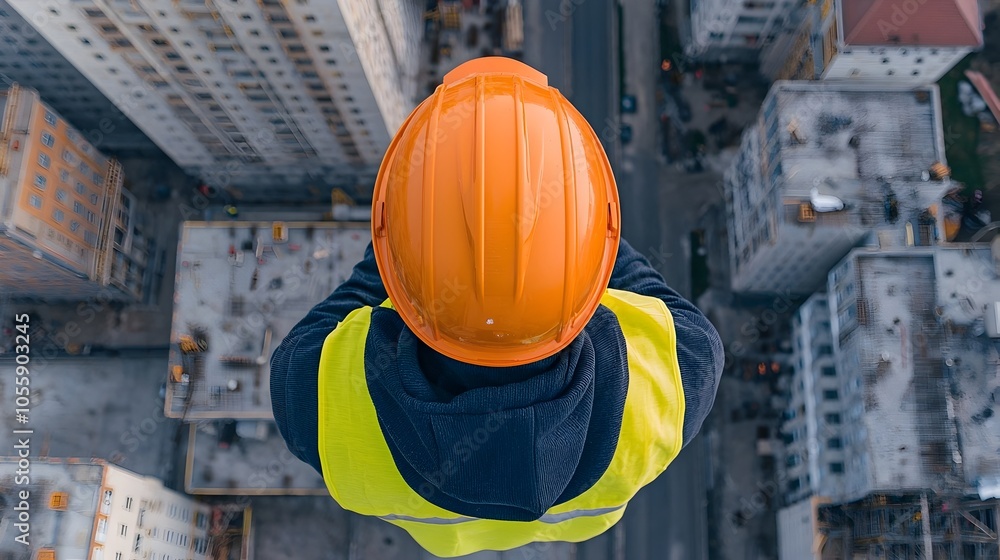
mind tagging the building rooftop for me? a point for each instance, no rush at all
(67, 532)
(967, 286)
(865, 145)
(238, 292)
(928, 370)
(256, 461)
(872, 148)
(934, 23)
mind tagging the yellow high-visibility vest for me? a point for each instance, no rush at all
(361, 475)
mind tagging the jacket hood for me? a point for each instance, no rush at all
(499, 443)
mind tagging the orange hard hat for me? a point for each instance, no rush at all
(495, 217)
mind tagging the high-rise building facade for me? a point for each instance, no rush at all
(810, 420)
(269, 94)
(27, 58)
(58, 200)
(735, 28)
(828, 166)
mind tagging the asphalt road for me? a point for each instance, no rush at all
(577, 49)
(573, 43)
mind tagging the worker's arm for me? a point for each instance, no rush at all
(699, 348)
(295, 363)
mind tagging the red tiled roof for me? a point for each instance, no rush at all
(932, 23)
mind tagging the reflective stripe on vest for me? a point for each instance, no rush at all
(547, 518)
(361, 475)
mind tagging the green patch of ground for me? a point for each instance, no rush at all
(961, 133)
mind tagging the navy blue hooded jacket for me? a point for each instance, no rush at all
(560, 416)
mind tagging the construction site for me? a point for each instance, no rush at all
(910, 466)
(240, 287)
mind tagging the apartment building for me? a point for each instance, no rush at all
(59, 198)
(913, 42)
(735, 29)
(828, 166)
(282, 96)
(27, 58)
(98, 511)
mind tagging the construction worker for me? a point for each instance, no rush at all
(501, 367)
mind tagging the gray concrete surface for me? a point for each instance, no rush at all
(248, 466)
(105, 407)
(574, 42)
(245, 305)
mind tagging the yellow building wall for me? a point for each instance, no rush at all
(64, 237)
(66, 240)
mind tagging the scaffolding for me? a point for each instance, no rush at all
(910, 527)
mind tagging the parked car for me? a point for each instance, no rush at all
(626, 133)
(629, 104)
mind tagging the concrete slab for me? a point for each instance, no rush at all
(244, 289)
(247, 466)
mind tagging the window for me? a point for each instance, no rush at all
(50, 118)
(40, 180)
(794, 485)
(90, 237)
(48, 139)
(61, 196)
(138, 543)
(80, 188)
(836, 468)
(44, 160)
(829, 371)
(128, 503)
(91, 217)
(78, 208)
(825, 350)
(93, 198)
(64, 175)
(834, 443)
(35, 201)
(58, 215)
(832, 418)
(74, 225)
(118, 556)
(830, 395)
